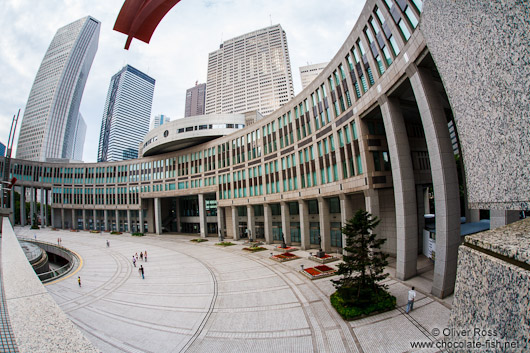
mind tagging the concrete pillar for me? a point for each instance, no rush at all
(235, 223)
(304, 225)
(426, 201)
(346, 213)
(474, 216)
(84, 219)
(22, 206)
(105, 220)
(52, 224)
(286, 224)
(420, 215)
(74, 220)
(141, 219)
(221, 225)
(42, 207)
(94, 217)
(444, 176)
(267, 215)
(158, 216)
(499, 218)
(251, 222)
(117, 217)
(12, 200)
(31, 204)
(371, 202)
(323, 217)
(63, 220)
(129, 224)
(404, 188)
(203, 225)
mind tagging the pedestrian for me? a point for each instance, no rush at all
(141, 255)
(136, 256)
(141, 271)
(35, 236)
(58, 241)
(108, 243)
(411, 297)
(134, 261)
(145, 256)
(79, 281)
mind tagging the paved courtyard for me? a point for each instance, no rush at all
(206, 298)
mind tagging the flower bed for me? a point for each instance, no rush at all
(198, 240)
(285, 250)
(323, 260)
(255, 248)
(318, 272)
(225, 243)
(94, 231)
(287, 256)
(74, 230)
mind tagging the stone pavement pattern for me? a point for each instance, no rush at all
(206, 298)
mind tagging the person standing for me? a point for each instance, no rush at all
(108, 244)
(411, 297)
(141, 270)
(145, 256)
(141, 255)
(134, 261)
(79, 281)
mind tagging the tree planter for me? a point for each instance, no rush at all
(323, 260)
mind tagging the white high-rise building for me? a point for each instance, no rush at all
(158, 120)
(310, 72)
(250, 72)
(79, 139)
(50, 119)
(126, 115)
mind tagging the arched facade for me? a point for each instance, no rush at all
(371, 131)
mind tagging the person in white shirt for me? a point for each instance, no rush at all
(412, 296)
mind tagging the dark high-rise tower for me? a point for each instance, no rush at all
(195, 98)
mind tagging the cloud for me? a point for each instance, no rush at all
(177, 55)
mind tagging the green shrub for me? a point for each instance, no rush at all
(34, 226)
(138, 234)
(225, 243)
(198, 240)
(352, 308)
(115, 232)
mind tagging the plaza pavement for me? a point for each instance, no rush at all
(206, 298)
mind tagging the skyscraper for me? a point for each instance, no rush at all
(126, 115)
(310, 72)
(158, 120)
(195, 98)
(250, 72)
(50, 119)
(79, 139)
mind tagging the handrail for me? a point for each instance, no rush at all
(56, 273)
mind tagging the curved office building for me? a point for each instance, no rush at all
(371, 131)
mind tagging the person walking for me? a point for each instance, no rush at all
(108, 244)
(79, 281)
(145, 256)
(141, 255)
(134, 261)
(411, 297)
(141, 271)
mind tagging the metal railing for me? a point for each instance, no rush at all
(72, 258)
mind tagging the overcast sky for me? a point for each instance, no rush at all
(177, 55)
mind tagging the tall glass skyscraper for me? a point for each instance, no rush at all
(50, 120)
(126, 115)
(250, 72)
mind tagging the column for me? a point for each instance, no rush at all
(325, 232)
(421, 215)
(286, 225)
(42, 206)
(267, 215)
(474, 216)
(84, 219)
(105, 220)
(150, 216)
(444, 176)
(158, 216)
(304, 225)
(404, 188)
(235, 223)
(117, 217)
(221, 225)
(371, 201)
(22, 206)
(177, 212)
(63, 221)
(129, 224)
(12, 200)
(53, 218)
(74, 220)
(94, 217)
(346, 213)
(203, 225)
(499, 218)
(251, 222)
(32, 205)
(141, 219)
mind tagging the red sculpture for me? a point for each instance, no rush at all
(139, 18)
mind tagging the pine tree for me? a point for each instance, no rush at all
(364, 263)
